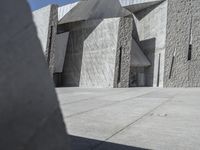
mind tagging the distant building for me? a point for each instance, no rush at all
(122, 43)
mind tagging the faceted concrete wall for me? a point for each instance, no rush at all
(94, 9)
(151, 24)
(61, 47)
(30, 117)
(123, 57)
(138, 5)
(41, 19)
(91, 54)
(182, 65)
(46, 22)
(63, 10)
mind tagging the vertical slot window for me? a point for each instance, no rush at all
(50, 44)
(120, 63)
(190, 52)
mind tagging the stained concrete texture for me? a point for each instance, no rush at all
(132, 119)
(30, 117)
(94, 9)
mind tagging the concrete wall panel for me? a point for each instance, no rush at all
(61, 47)
(63, 10)
(182, 30)
(41, 19)
(123, 57)
(91, 52)
(30, 117)
(46, 22)
(151, 24)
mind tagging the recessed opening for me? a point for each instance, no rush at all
(120, 61)
(190, 52)
(50, 44)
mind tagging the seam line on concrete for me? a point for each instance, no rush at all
(92, 98)
(107, 105)
(134, 122)
(114, 93)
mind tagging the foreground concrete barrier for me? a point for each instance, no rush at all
(30, 117)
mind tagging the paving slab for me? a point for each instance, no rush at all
(133, 119)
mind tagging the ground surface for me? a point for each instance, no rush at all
(129, 119)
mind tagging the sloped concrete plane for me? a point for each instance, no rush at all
(117, 43)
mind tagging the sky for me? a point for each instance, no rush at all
(36, 4)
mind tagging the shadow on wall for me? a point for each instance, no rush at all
(80, 143)
(148, 46)
(79, 32)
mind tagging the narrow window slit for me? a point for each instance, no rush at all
(50, 44)
(190, 52)
(119, 70)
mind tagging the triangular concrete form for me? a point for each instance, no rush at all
(63, 10)
(138, 59)
(94, 9)
(138, 5)
(30, 117)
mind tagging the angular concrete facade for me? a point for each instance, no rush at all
(130, 44)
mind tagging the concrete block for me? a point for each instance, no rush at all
(30, 117)
(46, 22)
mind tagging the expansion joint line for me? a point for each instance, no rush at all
(134, 122)
(104, 106)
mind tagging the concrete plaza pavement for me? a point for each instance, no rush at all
(132, 119)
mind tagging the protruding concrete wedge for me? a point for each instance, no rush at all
(94, 9)
(63, 10)
(137, 5)
(138, 59)
(30, 117)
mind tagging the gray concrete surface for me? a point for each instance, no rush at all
(63, 10)
(61, 47)
(94, 9)
(132, 119)
(182, 30)
(138, 5)
(46, 20)
(30, 117)
(151, 26)
(91, 54)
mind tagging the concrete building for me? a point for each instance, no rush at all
(121, 43)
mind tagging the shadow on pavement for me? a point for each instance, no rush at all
(81, 143)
